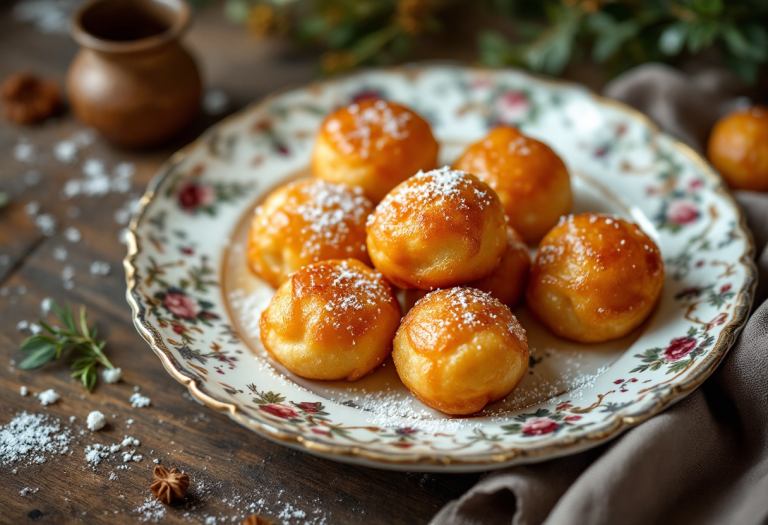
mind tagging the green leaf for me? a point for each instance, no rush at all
(702, 35)
(340, 36)
(672, 39)
(609, 43)
(735, 41)
(83, 362)
(758, 42)
(43, 348)
(40, 350)
(90, 378)
(83, 322)
(65, 316)
(745, 69)
(237, 10)
(50, 329)
(369, 45)
(495, 50)
(708, 7)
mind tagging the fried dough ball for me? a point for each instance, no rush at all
(507, 282)
(459, 349)
(738, 149)
(595, 278)
(530, 179)
(375, 144)
(331, 320)
(437, 229)
(305, 222)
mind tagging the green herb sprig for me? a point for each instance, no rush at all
(58, 341)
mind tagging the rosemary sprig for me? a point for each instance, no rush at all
(58, 341)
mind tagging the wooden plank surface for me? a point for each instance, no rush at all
(232, 469)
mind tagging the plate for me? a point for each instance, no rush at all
(197, 305)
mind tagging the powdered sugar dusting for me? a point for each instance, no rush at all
(32, 437)
(328, 213)
(151, 511)
(433, 189)
(139, 401)
(320, 215)
(375, 124)
(467, 310)
(348, 291)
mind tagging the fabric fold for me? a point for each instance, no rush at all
(702, 461)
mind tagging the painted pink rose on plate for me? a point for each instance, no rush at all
(279, 410)
(181, 305)
(682, 212)
(512, 106)
(309, 408)
(539, 426)
(192, 196)
(679, 348)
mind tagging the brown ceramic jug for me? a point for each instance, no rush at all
(132, 80)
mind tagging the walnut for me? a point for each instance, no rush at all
(255, 519)
(169, 484)
(27, 99)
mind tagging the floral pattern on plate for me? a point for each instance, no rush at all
(178, 237)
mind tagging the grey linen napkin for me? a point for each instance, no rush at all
(703, 461)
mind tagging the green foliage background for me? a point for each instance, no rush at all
(549, 34)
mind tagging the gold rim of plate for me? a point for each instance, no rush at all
(351, 453)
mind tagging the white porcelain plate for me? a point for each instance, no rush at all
(197, 305)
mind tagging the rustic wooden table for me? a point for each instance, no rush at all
(232, 469)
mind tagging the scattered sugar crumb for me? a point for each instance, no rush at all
(72, 234)
(32, 208)
(24, 151)
(60, 253)
(96, 421)
(46, 223)
(150, 511)
(139, 401)
(111, 376)
(32, 437)
(24, 391)
(48, 397)
(100, 268)
(45, 306)
(215, 102)
(65, 151)
(129, 441)
(95, 453)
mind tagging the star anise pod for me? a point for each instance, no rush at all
(27, 99)
(255, 519)
(169, 484)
